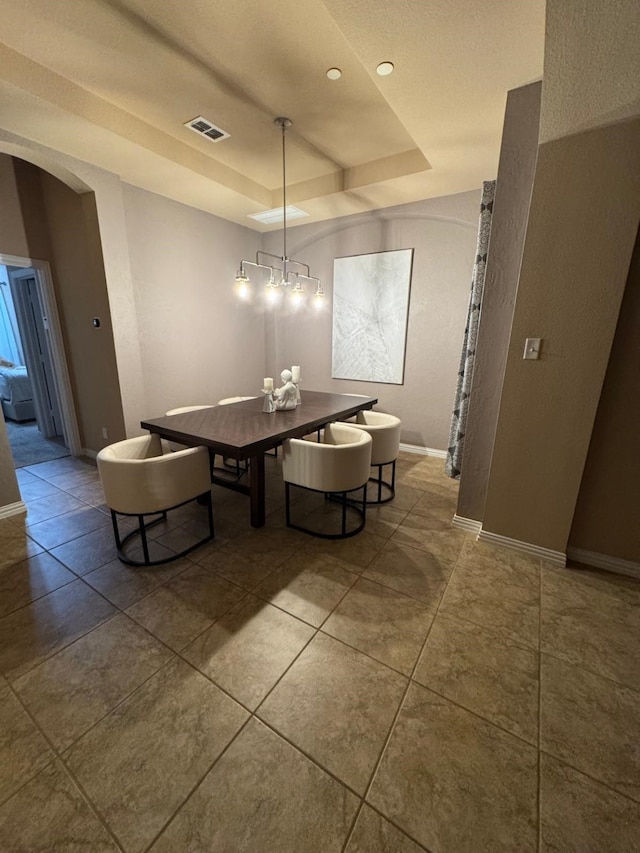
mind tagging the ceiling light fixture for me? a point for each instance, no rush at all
(385, 68)
(279, 273)
(334, 74)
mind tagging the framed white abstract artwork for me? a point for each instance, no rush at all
(370, 315)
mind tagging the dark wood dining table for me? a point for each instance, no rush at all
(244, 431)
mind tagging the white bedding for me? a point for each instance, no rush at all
(15, 385)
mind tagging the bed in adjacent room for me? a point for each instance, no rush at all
(16, 396)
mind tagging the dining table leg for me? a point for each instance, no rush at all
(257, 490)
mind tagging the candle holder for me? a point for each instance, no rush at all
(268, 406)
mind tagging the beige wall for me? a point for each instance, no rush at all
(582, 227)
(198, 343)
(606, 517)
(82, 294)
(516, 171)
(443, 233)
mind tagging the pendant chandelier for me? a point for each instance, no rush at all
(285, 272)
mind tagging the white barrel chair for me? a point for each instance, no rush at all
(338, 465)
(174, 445)
(140, 479)
(384, 430)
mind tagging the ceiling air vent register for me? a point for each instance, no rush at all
(204, 127)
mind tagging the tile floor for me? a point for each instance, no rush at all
(406, 690)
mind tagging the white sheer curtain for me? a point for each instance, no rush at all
(455, 450)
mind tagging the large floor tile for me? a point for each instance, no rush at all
(374, 834)
(306, 586)
(24, 582)
(51, 506)
(383, 623)
(495, 677)
(59, 467)
(592, 626)
(39, 630)
(496, 565)
(50, 814)
(15, 544)
(384, 520)
(406, 497)
(410, 570)
(337, 705)
(592, 724)
(139, 764)
(72, 524)
(418, 531)
(245, 570)
(32, 488)
(577, 813)
(262, 795)
(70, 692)
(511, 610)
(23, 750)
(185, 606)
(123, 585)
(358, 550)
(456, 783)
(248, 649)
(86, 553)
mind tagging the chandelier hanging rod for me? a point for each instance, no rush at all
(286, 275)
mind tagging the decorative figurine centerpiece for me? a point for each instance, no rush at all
(286, 395)
(267, 389)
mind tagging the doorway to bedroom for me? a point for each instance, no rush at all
(28, 386)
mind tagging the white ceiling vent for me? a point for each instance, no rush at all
(205, 128)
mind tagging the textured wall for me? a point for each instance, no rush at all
(582, 227)
(606, 517)
(78, 272)
(443, 233)
(198, 342)
(591, 65)
(516, 171)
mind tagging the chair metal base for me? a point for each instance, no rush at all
(391, 487)
(141, 531)
(357, 508)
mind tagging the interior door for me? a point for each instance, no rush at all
(34, 330)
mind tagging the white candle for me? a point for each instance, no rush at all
(295, 373)
(268, 384)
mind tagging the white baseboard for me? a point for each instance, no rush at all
(424, 451)
(90, 453)
(17, 508)
(469, 524)
(558, 558)
(603, 561)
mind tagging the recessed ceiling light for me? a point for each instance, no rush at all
(334, 74)
(385, 68)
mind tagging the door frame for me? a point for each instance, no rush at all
(46, 292)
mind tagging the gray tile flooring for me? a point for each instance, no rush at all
(406, 690)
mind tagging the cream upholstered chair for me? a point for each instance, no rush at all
(384, 430)
(140, 479)
(174, 445)
(338, 464)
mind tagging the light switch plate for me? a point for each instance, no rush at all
(532, 348)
